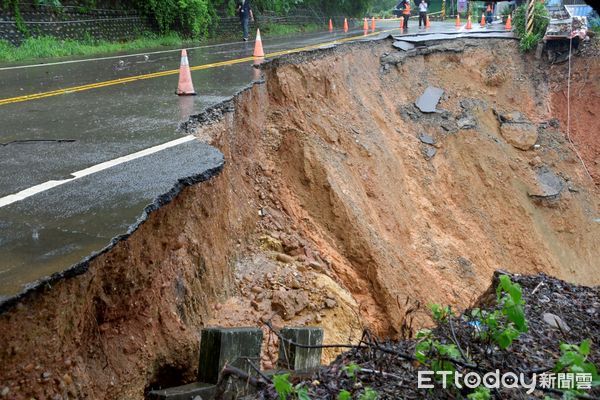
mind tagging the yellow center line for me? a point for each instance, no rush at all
(120, 81)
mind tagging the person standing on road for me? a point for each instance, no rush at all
(423, 13)
(489, 13)
(406, 13)
(245, 13)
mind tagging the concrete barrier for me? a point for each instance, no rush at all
(297, 358)
(231, 346)
(193, 391)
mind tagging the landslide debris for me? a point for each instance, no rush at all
(339, 200)
(556, 312)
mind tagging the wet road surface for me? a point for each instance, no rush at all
(54, 229)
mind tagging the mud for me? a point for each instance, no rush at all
(331, 210)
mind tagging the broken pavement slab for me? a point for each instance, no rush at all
(549, 185)
(402, 45)
(429, 152)
(428, 101)
(427, 139)
(466, 122)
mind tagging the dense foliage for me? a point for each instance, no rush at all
(191, 17)
(194, 18)
(540, 22)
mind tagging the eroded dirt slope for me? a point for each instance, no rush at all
(332, 210)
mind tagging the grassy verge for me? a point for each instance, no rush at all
(50, 47)
(282, 30)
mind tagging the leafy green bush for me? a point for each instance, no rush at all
(505, 325)
(529, 42)
(440, 313)
(285, 389)
(344, 395)
(481, 393)
(431, 352)
(191, 17)
(540, 23)
(368, 394)
(351, 371)
(574, 358)
(13, 5)
(594, 24)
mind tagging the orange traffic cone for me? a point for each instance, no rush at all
(345, 24)
(457, 21)
(258, 49)
(330, 25)
(373, 24)
(508, 23)
(469, 25)
(427, 23)
(482, 20)
(365, 25)
(185, 86)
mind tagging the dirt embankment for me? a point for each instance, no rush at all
(332, 210)
(584, 100)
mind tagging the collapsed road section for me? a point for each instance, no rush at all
(340, 203)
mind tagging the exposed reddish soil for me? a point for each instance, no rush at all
(585, 97)
(328, 213)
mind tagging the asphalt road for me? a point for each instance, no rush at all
(49, 231)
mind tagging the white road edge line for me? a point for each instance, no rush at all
(42, 187)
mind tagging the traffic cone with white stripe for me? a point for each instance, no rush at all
(365, 25)
(482, 23)
(258, 47)
(469, 25)
(372, 24)
(185, 86)
(330, 25)
(345, 24)
(427, 23)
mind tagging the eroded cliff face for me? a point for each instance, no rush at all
(332, 210)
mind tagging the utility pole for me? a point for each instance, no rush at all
(530, 14)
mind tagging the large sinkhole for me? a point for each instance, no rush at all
(341, 204)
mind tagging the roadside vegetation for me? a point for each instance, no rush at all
(510, 331)
(175, 22)
(50, 47)
(529, 41)
(196, 18)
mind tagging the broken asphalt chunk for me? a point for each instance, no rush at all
(427, 139)
(428, 101)
(402, 45)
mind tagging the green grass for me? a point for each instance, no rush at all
(50, 47)
(282, 30)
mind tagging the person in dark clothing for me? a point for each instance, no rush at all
(489, 13)
(245, 13)
(423, 13)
